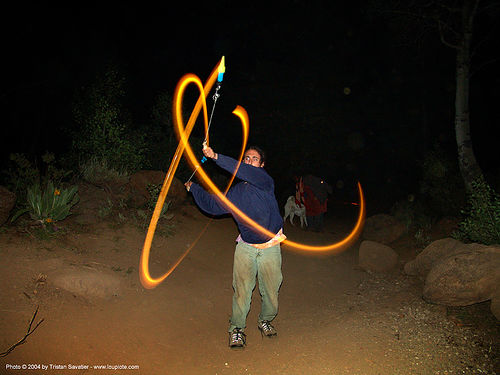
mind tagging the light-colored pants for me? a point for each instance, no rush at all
(249, 263)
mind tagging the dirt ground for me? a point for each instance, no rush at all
(334, 318)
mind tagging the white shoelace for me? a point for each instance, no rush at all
(237, 336)
(266, 326)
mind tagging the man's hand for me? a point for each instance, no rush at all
(208, 152)
(188, 185)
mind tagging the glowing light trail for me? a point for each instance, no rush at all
(146, 279)
(183, 133)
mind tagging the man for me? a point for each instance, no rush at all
(256, 254)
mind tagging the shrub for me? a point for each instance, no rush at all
(96, 170)
(143, 217)
(441, 186)
(104, 131)
(159, 135)
(482, 216)
(412, 213)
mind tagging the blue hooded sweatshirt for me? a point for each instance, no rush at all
(254, 195)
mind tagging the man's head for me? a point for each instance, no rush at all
(254, 156)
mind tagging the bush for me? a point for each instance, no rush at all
(441, 186)
(159, 133)
(97, 171)
(482, 216)
(103, 129)
(160, 136)
(143, 216)
(412, 213)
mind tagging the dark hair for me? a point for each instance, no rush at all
(261, 152)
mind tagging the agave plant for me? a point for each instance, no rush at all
(50, 205)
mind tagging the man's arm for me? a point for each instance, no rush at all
(253, 175)
(206, 201)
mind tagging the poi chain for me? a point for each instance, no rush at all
(146, 279)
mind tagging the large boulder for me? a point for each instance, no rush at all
(139, 193)
(468, 276)
(377, 257)
(7, 202)
(424, 261)
(383, 228)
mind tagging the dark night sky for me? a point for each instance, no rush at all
(287, 65)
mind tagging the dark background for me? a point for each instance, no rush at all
(287, 64)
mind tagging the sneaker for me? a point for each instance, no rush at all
(267, 329)
(237, 338)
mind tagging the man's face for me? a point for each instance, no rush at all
(252, 157)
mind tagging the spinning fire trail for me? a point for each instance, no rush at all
(146, 279)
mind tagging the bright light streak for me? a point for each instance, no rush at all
(183, 133)
(146, 279)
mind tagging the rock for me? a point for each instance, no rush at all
(464, 278)
(7, 202)
(139, 194)
(495, 304)
(377, 257)
(424, 261)
(383, 228)
(89, 283)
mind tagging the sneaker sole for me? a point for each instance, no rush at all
(237, 347)
(270, 335)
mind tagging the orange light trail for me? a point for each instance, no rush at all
(183, 133)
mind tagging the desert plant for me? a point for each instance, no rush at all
(481, 221)
(50, 205)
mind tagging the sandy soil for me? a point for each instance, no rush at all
(334, 318)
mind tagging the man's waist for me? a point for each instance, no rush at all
(278, 238)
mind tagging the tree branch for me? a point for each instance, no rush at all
(23, 340)
(442, 37)
(483, 65)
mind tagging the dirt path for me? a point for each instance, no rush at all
(334, 318)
